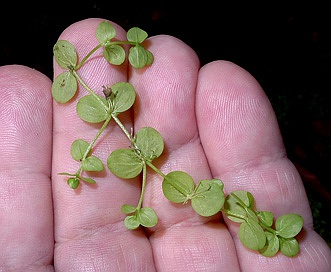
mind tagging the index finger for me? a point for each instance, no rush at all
(89, 228)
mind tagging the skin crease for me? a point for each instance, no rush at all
(216, 122)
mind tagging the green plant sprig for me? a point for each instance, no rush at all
(257, 231)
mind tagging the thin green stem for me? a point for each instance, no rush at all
(90, 90)
(143, 186)
(157, 170)
(89, 148)
(122, 42)
(105, 124)
(119, 123)
(270, 229)
(99, 46)
(87, 56)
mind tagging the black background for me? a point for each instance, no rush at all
(285, 46)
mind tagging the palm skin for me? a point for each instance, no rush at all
(216, 122)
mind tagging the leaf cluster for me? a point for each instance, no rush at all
(257, 230)
(207, 197)
(65, 85)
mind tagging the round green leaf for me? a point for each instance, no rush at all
(272, 245)
(73, 182)
(124, 96)
(131, 222)
(136, 35)
(252, 235)
(208, 197)
(105, 32)
(78, 149)
(149, 143)
(251, 215)
(178, 186)
(92, 163)
(147, 217)
(124, 163)
(114, 54)
(267, 218)
(289, 225)
(91, 110)
(289, 247)
(138, 57)
(237, 215)
(234, 210)
(64, 87)
(127, 209)
(65, 54)
(244, 197)
(150, 57)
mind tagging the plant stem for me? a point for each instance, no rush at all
(119, 123)
(89, 148)
(97, 136)
(157, 170)
(143, 186)
(123, 42)
(87, 56)
(90, 90)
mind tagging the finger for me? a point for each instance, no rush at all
(244, 148)
(182, 240)
(26, 216)
(89, 228)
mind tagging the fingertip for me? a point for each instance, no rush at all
(171, 81)
(77, 29)
(19, 81)
(17, 74)
(26, 111)
(82, 35)
(235, 117)
(231, 76)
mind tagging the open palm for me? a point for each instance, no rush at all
(216, 122)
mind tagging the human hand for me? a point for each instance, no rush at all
(216, 122)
